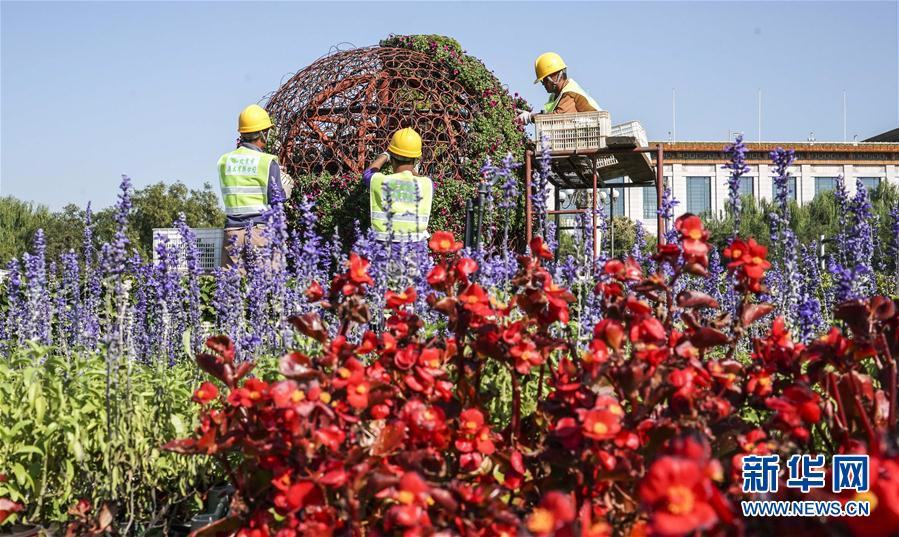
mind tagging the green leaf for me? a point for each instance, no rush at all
(29, 449)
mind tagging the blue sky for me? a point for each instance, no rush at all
(89, 91)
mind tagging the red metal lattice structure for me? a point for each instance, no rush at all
(339, 112)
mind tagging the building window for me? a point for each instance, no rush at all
(791, 188)
(745, 186)
(824, 184)
(870, 183)
(699, 194)
(650, 202)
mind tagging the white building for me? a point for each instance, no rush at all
(698, 180)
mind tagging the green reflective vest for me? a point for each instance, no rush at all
(572, 87)
(409, 207)
(243, 176)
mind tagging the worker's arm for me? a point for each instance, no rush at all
(275, 190)
(567, 104)
(375, 166)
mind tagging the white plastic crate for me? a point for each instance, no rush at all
(209, 246)
(631, 128)
(566, 132)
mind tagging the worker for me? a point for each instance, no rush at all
(565, 95)
(403, 196)
(251, 183)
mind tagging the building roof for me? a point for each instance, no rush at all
(698, 152)
(888, 136)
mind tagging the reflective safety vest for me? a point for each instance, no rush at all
(409, 207)
(572, 87)
(243, 176)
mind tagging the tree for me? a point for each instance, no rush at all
(154, 206)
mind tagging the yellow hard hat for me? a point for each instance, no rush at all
(547, 64)
(253, 118)
(405, 143)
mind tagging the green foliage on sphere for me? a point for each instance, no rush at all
(493, 133)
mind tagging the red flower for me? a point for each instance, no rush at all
(253, 390)
(358, 270)
(436, 275)
(627, 270)
(412, 499)
(539, 249)
(296, 495)
(749, 257)
(677, 492)
(473, 434)
(475, 300)
(601, 424)
(443, 242)
(556, 509)
(205, 393)
(286, 394)
(798, 406)
(694, 247)
(314, 291)
(395, 300)
(466, 266)
(8, 507)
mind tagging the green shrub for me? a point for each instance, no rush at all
(66, 433)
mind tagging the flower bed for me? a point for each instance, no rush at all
(641, 432)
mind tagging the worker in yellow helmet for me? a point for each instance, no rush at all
(250, 180)
(400, 202)
(565, 95)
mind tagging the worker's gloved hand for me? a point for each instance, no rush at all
(524, 117)
(367, 173)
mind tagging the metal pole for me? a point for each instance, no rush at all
(527, 196)
(593, 215)
(482, 202)
(660, 224)
(469, 222)
(612, 221)
(557, 203)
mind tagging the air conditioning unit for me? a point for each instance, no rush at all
(209, 246)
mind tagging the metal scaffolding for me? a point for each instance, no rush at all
(593, 169)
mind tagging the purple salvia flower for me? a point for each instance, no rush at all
(540, 188)
(894, 238)
(711, 284)
(37, 298)
(166, 319)
(860, 242)
(842, 288)
(639, 244)
(781, 159)
(666, 211)
(142, 337)
(736, 153)
(228, 304)
(70, 316)
(89, 328)
(115, 254)
(192, 289)
(276, 237)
